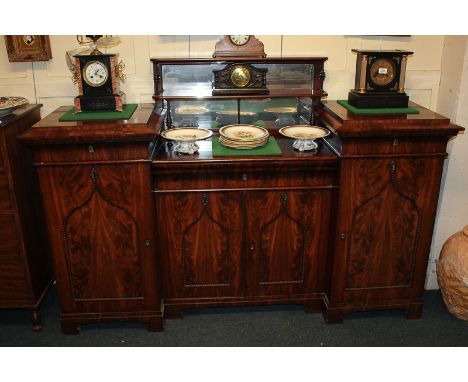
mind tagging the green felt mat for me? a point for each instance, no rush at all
(271, 148)
(127, 112)
(399, 110)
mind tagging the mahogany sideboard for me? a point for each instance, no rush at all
(140, 233)
(25, 275)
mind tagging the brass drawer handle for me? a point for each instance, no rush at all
(90, 149)
(396, 142)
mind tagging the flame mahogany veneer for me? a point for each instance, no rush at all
(137, 236)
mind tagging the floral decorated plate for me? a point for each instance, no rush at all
(304, 132)
(304, 135)
(243, 132)
(9, 104)
(186, 138)
(186, 134)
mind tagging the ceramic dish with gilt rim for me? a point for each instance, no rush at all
(236, 144)
(249, 142)
(304, 132)
(191, 110)
(9, 104)
(243, 132)
(186, 134)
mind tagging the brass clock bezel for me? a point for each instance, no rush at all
(241, 80)
(236, 44)
(388, 79)
(85, 77)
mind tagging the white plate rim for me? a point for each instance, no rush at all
(222, 129)
(283, 130)
(208, 133)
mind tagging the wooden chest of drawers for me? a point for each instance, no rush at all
(24, 271)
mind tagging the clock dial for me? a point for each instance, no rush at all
(240, 76)
(382, 71)
(95, 73)
(240, 39)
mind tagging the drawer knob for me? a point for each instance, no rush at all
(244, 176)
(252, 246)
(395, 142)
(342, 236)
(147, 243)
(91, 149)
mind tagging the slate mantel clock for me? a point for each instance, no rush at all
(98, 81)
(380, 79)
(239, 46)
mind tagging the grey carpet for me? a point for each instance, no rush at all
(255, 326)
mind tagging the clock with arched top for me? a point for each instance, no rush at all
(239, 46)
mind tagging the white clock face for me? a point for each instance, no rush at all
(240, 39)
(95, 73)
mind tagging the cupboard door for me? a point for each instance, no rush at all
(287, 237)
(101, 230)
(385, 226)
(200, 242)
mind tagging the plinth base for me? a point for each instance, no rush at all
(98, 103)
(377, 100)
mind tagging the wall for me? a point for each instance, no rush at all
(452, 214)
(50, 83)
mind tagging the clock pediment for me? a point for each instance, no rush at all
(227, 48)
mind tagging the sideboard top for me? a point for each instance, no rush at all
(427, 122)
(141, 126)
(18, 113)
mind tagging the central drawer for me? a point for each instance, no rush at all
(232, 180)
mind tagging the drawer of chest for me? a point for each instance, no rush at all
(93, 152)
(5, 198)
(13, 283)
(201, 180)
(2, 160)
(394, 146)
(9, 244)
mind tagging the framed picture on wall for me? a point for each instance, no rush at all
(28, 48)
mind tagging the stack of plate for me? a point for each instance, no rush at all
(9, 104)
(243, 136)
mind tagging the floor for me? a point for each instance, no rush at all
(255, 326)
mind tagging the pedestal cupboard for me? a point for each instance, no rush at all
(390, 173)
(139, 232)
(95, 180)
(24, 271)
